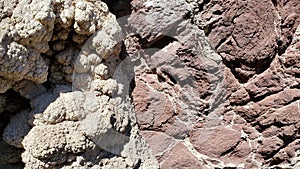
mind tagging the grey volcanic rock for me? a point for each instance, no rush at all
(149, 84)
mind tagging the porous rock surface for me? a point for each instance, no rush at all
(149, 84)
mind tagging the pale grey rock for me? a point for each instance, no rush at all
(40, 103)
(18, 62)
(34, 23)
(108, 39)
(57, 143)
(7, 7)
(89, 16)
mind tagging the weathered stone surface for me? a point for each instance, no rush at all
(181, 84)
(159, 143)
(247, 34)
(155, 19)
(215, 142)
(270, 145)
(154, 108)
(253, 39)
(181, 157)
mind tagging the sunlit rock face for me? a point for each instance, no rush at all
(149, 84)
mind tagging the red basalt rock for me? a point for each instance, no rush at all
(215, 142)
(181, 157)
(270, 145)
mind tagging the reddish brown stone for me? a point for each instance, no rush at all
(288, 114)
(180, 157)
(228, 117)
(249, 164)
(243, 32)
(248, 34)
(260, 83)
(285, 115)
(285, 154)
(289, 12)
(270, 145)
(239, 154)
(292, 61)
(237, 93)
(289, 131)
(268, 82)
(271, 131)
(152, 108)
(215, 142)
(251, 132)
(267, 106)
(176, 129)
(159, 142)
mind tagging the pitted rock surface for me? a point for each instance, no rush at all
(149, 84)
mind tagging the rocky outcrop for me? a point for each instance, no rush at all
(250, 119)
(149, 84)
(248, 35)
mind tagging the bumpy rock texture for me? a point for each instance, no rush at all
(149, 84)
